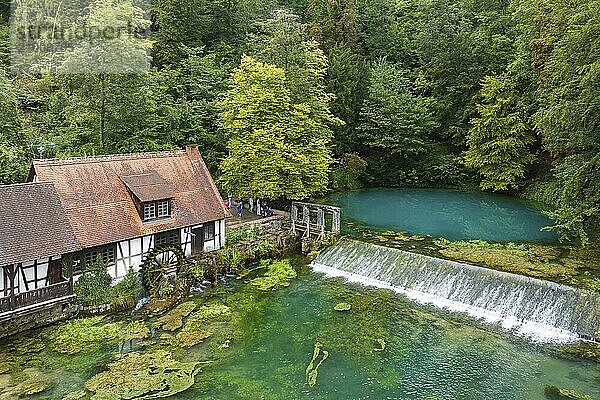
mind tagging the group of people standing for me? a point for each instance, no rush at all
(255, 205)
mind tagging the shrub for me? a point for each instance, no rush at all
(93, 286)
(349, 175)
(124, 293)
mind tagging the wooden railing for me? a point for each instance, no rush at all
(36, 296)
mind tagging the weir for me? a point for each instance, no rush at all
(541, 310)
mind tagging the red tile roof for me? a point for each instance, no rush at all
(33, 224)
(101, 209)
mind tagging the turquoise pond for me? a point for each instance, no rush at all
(428, 355)
(452, 214)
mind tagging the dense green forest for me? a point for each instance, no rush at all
(293, 98)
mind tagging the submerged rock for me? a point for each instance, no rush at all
(143, 376)
(381, 344)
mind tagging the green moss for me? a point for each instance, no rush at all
(531, 260)
(279, 274)
(589, 351)
(78, 335)
(142, 376)
(135, 330)
(173, 320)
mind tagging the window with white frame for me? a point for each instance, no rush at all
(149, 211)
(162, 208)
(156, 209)
(209, 231)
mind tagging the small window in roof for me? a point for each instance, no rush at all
(149, 211)
(156, 209)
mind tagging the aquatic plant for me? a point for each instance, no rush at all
(76, 395)
(342, 306)
(30, 381)
(279, 274)
(195, 329)
(312, 370)
(78, 335)
(135, 330)
(143, 376)
(381, 344)
(532, 260)
(554, 393)
(173, 320)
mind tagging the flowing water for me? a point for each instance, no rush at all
(452, 214)
(541, 310)
(428, 354)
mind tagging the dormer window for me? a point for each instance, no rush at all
(156, 210)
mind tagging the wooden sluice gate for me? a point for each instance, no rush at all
(310, 220)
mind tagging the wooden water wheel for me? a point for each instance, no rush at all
(162, 270)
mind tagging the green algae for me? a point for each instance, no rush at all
(29, 382)
(77, 395)
(554, 393)
(79, 335)
(343, 306)
(279, 274)
(196, 327)
(173, 320)
(381, 344)
(135, 330)
(312, 370)
(142, 376)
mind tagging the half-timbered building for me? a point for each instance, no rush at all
(122, 206)
(117, 207)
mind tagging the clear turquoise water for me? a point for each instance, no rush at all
(428, 355)
(452, 214)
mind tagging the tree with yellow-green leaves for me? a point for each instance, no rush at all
(277, 148)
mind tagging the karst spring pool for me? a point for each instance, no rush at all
(452, 214)
(385, 347)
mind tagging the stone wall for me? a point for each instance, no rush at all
(276, 227)
(35, 318)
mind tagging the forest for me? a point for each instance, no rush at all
(291, 99)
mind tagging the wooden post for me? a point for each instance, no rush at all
(294, 217)
(321, 219)
(336, 221)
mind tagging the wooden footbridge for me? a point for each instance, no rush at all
(313, 220)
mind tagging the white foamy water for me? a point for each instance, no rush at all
(539, 310)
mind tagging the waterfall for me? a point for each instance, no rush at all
(541, 310)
